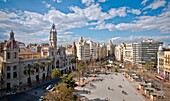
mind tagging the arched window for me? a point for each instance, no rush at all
(15, 54)
(15, 68)
(14, 74)
(8, 55)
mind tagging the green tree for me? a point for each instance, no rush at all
(149, 65)
(55, 73)
(116, 69)
(80, 67)
(62, 93)
(73, 60)
(28, 70)
(68, 79)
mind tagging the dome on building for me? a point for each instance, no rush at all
(81, 39)
(11, 43)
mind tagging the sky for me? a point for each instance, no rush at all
(97, 20)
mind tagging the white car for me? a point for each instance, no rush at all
(49, 87)
(41, 98)
(52, 89)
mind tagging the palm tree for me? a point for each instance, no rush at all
(48, 63)
(37, 69)
(80, 67)
(55, 73)
(29, 69)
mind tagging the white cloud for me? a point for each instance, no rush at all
(115, 38)
(121, 12)
(87, 2)
(46, 4)
(132, 39)
(68, 33)
(31, 25)
(58, 1)
(144, 2)
(7, 16)
(3, 0)
(134, 11)
(94, 12)
(108, 26)
(156, 4)
(159, 23)
(102, 0)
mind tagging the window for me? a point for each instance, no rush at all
(8, 75)
(8, 68)
(8, 55)
(44, 53)
(15, 54)
(15, 68)
(15, 75)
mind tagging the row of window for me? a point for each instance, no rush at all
(9, 75)
(9, 55)
(9, 68)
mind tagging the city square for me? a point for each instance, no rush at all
(110, 89)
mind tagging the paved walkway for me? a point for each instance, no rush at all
(111, 89)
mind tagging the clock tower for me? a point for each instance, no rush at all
(53, 37)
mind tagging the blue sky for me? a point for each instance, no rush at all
(98, 20)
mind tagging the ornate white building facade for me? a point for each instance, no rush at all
(17, 67)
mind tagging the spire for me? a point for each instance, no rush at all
(110, 42)
(12, 35)
(53, 37)
(53, 28)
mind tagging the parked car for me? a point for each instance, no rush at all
(49, 87)
(41, 98)
(52, 89)
(11, 93)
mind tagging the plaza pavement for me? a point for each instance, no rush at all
(99, 89)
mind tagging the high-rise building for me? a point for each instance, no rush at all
(110, 49)
(128, 53)
(145, 52)
(83, 50)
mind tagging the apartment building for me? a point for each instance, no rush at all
(83, 50)
(163, 67)
(128, 53)
(119, 52)
(145, 52)
(110, 49)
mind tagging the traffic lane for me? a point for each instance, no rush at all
(30, 95)
(22, 97)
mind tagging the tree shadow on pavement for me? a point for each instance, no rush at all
(83, 91)
(98, 99)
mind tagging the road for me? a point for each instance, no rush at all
(30, 95)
